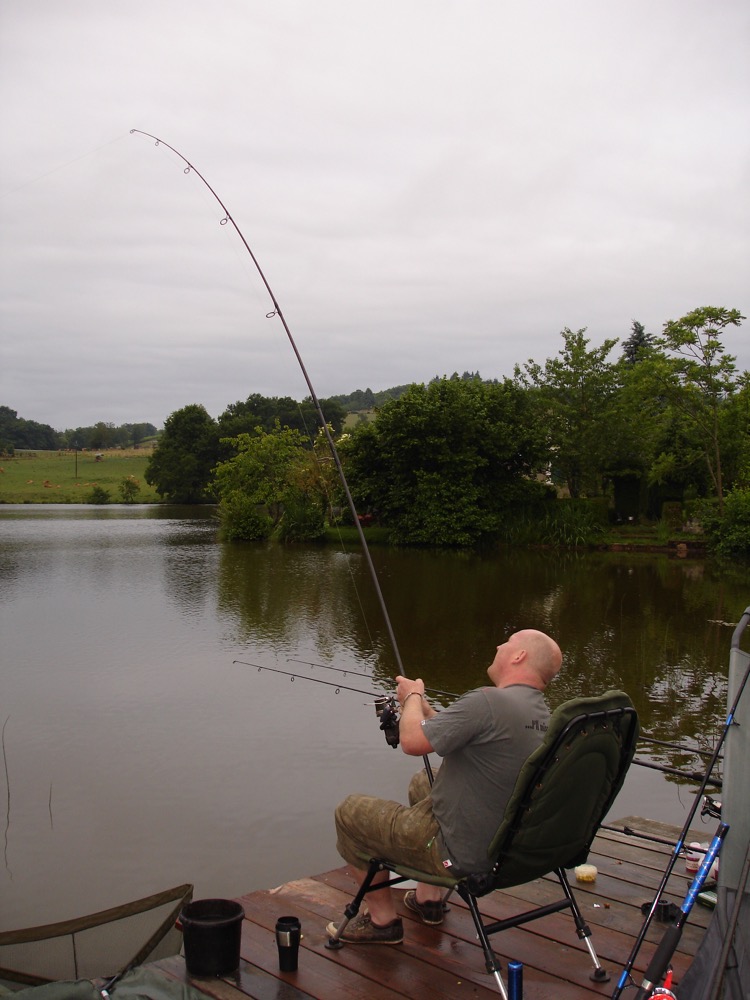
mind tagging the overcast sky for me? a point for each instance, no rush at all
(430, 186)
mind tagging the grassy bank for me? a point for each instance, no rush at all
(67, 477)
(64, 477)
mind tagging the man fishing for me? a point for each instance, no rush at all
(484, 739)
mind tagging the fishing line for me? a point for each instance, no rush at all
(62, 166)
(337, 524)
(277, 312)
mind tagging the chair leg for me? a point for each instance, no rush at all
(446, 897)
(352, 909)
(600, 974)
(491, 962)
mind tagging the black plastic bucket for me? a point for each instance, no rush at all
(211, 930)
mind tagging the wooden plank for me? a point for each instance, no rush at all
(633, 886)
(316, 975)
(460, 957)
(621, 922)
(249, 982)
(446, 962)
(551, 944)
(389, 971)
(556, 961)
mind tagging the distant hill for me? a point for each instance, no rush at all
(366, 399)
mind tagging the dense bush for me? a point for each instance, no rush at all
(303, 518)
(242, 519)
(447, 464)
(728, 531)
(571, 523)
(272, 486)
(98, 495)
(671, 514)
(129, 489)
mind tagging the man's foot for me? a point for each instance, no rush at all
(361, 930)
(430, 912)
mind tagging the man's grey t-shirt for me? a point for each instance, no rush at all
(484, 739)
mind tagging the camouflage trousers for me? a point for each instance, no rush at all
(369, 827)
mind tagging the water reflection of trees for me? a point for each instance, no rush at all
(652, 626)
(283, 598)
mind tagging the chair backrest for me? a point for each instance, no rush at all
(565, 789)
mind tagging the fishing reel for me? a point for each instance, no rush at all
(386, 709)
(711, 807)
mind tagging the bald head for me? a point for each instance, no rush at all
(528, 657)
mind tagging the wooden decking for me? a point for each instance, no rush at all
(447, 962)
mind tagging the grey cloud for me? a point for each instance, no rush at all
(428, 187)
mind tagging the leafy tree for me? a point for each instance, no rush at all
(637, 343)
(271, 484)
(266, 411)
(366, 399)
(700, 378)
(360, 399)
(135, 433)
(129, 489)
(17, 433)
(728, 530)
(181, 465)
(735, 431)
(575, 394)
(104, 435)
(444, 463)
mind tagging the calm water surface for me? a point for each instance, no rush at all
(137, 755)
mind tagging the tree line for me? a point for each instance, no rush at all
(462, 461)
(366, 399)
(18, 434)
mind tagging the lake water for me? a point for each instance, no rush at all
(138, 755)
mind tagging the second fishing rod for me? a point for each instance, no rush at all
(387, 708)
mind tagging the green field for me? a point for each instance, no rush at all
(69, 477)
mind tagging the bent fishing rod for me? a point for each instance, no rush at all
(626, 976)
(277, 311)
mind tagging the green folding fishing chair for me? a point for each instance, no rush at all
(561, 796)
